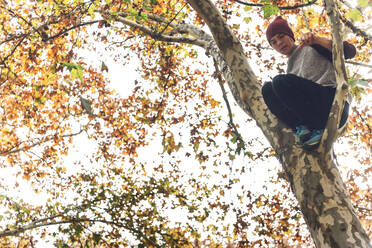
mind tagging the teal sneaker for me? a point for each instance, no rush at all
(314, 139)
(303, 133)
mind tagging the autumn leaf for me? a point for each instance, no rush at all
(354, 14)
(86, 104)
(270, 10)
(155, 166)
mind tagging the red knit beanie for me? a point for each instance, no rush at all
(279, 25)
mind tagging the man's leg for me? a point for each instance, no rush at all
(310, 101)
(344, 114)
(277, 107)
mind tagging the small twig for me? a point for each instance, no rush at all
(231, 121)
(71, 28)
(166, 26)
(363, 119)
(362, 209)
(305, 18)
(14, 49)
(15, 150)
(123, 41)
(260, 154)
(358, 63)
(14, 37)
(23, 19)
(38, 156)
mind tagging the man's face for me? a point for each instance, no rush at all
(283, 44)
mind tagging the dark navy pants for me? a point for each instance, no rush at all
(298, 101)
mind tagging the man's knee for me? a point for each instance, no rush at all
(280, 81)
(267, 86)
(280, 78)
(267, 90)
(344, 115)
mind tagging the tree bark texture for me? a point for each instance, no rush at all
(313, 176)
(331, 131)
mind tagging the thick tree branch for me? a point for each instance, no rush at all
(155, 18)
(179, 29)
(280, 7)
(331, 130)
(156, 35)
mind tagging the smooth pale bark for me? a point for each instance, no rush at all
(331, 130)
(313, 176)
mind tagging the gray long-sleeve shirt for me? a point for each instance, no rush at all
(315, 63)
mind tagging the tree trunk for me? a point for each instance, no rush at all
(324, 202)
(313, 176)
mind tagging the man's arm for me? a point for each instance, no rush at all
(324, 46)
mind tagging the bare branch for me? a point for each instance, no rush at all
(35, 225)
(2, 62)
(71, 28)
(305, 18)
(356, 30)
(15, 37)
(21, 17)
(174, 17)
(22, 148)
(365, 122)
(178, 29)
(23, 36)
(280, 7)
(358, 63)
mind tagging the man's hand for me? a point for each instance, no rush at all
(307, 39)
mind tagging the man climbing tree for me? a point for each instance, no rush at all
(303, 97)
(314, 180)
(123, 193)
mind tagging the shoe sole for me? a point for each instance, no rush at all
(304, 137)
(313, 144)
(311, 147)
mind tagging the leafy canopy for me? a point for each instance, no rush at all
(56, 57)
